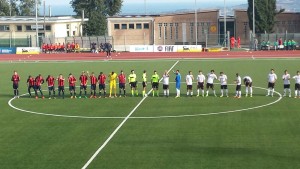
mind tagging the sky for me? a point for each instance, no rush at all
(63, 7)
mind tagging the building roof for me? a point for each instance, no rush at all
(47, 19)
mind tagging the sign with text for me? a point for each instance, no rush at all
(28, 50)
(5, 50)
(165, 48)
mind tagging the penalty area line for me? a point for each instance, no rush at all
(119, 127)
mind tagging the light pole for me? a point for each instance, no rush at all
(225, 38)
(36, 24)
(253, 17)
(196, 23)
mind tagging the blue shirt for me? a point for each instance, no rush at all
(178, 80)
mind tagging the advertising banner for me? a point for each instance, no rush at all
(141, 48)
(28, 50)
(4, 50)
(166, 48)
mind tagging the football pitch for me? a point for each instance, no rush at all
(152, 132)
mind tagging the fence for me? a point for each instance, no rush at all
(10, 41)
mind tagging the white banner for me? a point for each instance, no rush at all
(165, 48)
(28, 50)
(141, 48)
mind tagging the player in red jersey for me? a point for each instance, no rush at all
(30, 84)
(39, 80)
(122, 82)
(83, 84)
(50, 80)
(72, 85)
(101, 80)
(94, 81)
(15, 79)
(61, 86)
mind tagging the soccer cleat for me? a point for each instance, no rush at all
(43, 97)
(95, 97)
(206, 95)
(239, 97)
(75, 97)
(197, 95)
(250, 95)
(177, 96)
(267, 95)
(221, 96)
(18, 97)
(290, 96)
(49, 98)
(71, 97)
(91, 96)
(79, 97)
(295, 97)
(246, 95)
(85, 97)
(99, 97)
(36, 97)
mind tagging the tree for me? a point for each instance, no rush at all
(8, 7)
(97, 12)
(27, 7)
(265, 12)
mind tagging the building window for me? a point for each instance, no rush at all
(146, 25)
(19, 28)
(74, 33)
(131, 26)
(117, 26)
(138, 26)
(68, 33)
(176, 31)
(124, 26)
(28, 28)
(159, 26)
(68, 26)
(192, 30)
(165, 30)
(171, 30)
(48, 27)
(4, 27)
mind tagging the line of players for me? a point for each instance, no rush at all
(35, 83)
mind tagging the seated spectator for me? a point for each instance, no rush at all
(276, 45)
(72, 47)
(294, 44)
(77, 48)
(93, 47)
(44, 46)
(69, 47)
(62, 47)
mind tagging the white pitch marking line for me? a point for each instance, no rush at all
(120, 125)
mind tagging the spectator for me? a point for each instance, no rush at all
(77, 48)
(93, 47)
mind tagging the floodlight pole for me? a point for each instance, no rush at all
(196, 23)
(36, 24)
(253, 17)
(225, 31)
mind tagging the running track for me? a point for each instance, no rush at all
(150, 55)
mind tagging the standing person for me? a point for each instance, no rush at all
(223, 81)
(39, 80)
(155, 83)
(61, 86)
(178, 82)
(16, 79)
(255, 44)
(108, 47)
(122, 83)
(94, 81)
(200, 83)
(232, 42)
(248, 84)
(286, 83)
(83, 84)
(238, 42)
(189, 84)
(166, 82)
(238, 82)
(272, 77)
(101, 81)
(144, 83)
(30, 84)
(113, 83)
(210, 82)
(51, 89)
(297, 84)
(72, 85)
(133, 83)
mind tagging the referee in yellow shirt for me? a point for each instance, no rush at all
(155, 82)
(112, 83)
(133, 83)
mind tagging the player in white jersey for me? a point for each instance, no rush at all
(272, 77)
(166, 79)
(223, 81)
(238, 82)
(200, 83)
(210, 82)
(248, 83)
(297, 84)
(286, 83)
(189, 83)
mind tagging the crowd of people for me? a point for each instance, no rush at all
(205, 84)
(279, 44)
(75, 48)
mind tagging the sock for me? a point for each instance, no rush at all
(240, 93)
(124, 92)
(289, 91)
(272, 92)
(250, 90)
(222, 92)
(284, 91)
(153, 92)
(132, 92)
(198, 91)
(296, 93)
(187, 93)
(85, 92)
(246, 90)
(206, 92)
(191, 93)
(167, 92)
(81, 92)
(144, 92)
(214, 92)
(15, 93)
(202, 92)
(226, 92)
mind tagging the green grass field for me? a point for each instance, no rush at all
(166, 133)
